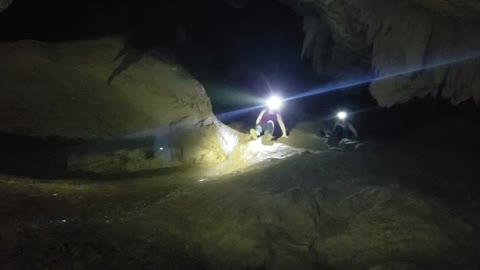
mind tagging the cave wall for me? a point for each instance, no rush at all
(109, 95)
(397, 36)
(350, 38)
(4, 4)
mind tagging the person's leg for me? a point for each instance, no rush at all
(268, 136)
(339, 132)
(256, 132)
(270, 128)
(348, 134)
(259, 129)
(336, 136)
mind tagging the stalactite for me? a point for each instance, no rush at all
(402, 36)
(315, 42)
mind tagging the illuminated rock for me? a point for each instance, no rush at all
(247, 155)
(102, 92)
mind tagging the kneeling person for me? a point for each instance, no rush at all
(265, 125)
(343, 129)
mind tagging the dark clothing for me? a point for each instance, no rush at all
(263, 128)
(268, 117)
(342, 132)
(339, 133)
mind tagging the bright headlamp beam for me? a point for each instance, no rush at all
(274, 103)
(227, 115)
(341, 115)
(339, 86)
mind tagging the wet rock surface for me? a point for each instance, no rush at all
(391, 207)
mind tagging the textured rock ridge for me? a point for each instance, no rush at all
(438, 39)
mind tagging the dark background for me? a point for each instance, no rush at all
(249, 50)
(240, 55)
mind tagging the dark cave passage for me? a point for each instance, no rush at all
(238, 54)
(121, 148)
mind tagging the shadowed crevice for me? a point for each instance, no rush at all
(130, 56)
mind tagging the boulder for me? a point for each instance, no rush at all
(107, 95)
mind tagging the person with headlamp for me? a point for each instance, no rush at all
(265, 124)
(343, 129)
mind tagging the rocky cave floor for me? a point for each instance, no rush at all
(406, 204)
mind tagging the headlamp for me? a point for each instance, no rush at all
(274, 103)
(342, 115)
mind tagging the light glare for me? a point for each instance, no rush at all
(274, 103)
(342, 115)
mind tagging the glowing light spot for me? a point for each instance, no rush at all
(274, 103)
(348, 84)
(342, 115)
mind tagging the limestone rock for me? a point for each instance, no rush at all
(123, 157)
(396, 266)
(61, 90)
(419, 47)
(101, 90)
(4, 4)
(459, 8)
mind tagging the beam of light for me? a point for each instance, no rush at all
(227, 115)
(339, 86)
(267, 82)
(274, 102)
(160, 132)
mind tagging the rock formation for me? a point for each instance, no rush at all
(4, 4)
(436, 38)
(105, 94)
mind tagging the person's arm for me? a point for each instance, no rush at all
(259, 118)
(282, 125)
(353, 130)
